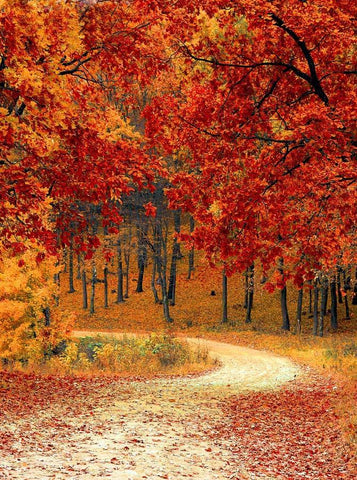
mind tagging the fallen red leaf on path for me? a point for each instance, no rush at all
(291, 433)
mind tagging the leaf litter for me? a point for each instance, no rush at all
(257, 417)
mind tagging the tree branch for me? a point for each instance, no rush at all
(312, 78)
(76, 67)
(252, 66)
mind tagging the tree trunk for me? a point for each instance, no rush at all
(325, 286)
(142, 256)
(47, 315)
(165, 299)
(84, 289)
(172, 278)
(354, 296)
(174, 259)
(65, 260)
(141, 268)
(127, 252)
(79, 263)
(334, 323)
(299, 311)
(94, 225)
(106, 305)
(153, 282)
(324, 290)
(160, 249)
(224, 298)
(93, 283)
(161, 264)
(284, 309)
(316, 307)
(191, 256)
(339, 289)
(346, 287)
(126, 289)
(249, 293)
(162, 280)
(57, 282)
(283, 301)
(70, 267)
(246, 288)
(120, 296)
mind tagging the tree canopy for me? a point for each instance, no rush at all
(260, 110)
(255, 102)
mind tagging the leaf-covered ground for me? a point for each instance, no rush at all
(291, 433)
(211, 427)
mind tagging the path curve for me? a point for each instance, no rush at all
(242, 368)
(156, 429)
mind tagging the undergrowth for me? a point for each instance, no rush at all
(133, 356)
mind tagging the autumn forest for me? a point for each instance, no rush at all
(178, 239)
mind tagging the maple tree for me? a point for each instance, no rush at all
(67, 143)
(260, 106)
(64, 65)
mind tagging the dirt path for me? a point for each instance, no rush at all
(158, 429)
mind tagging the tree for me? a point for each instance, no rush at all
(248, 105)
(249, 294)
(65, 146)
(224, 297)
(174, 259)
(29, 328)
(63, 141)
(261, 98)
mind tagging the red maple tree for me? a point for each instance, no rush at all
(261, 106)
(66, 69)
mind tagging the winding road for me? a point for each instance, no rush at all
(156, 429)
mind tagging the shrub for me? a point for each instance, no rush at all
(134, 355)
(88, 347)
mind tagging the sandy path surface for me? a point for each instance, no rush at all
(157, 429)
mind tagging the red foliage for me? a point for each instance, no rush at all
(40, 257)
(262, 111)
(150, 210)
(76, 147)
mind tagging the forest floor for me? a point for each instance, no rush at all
(214, 426)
